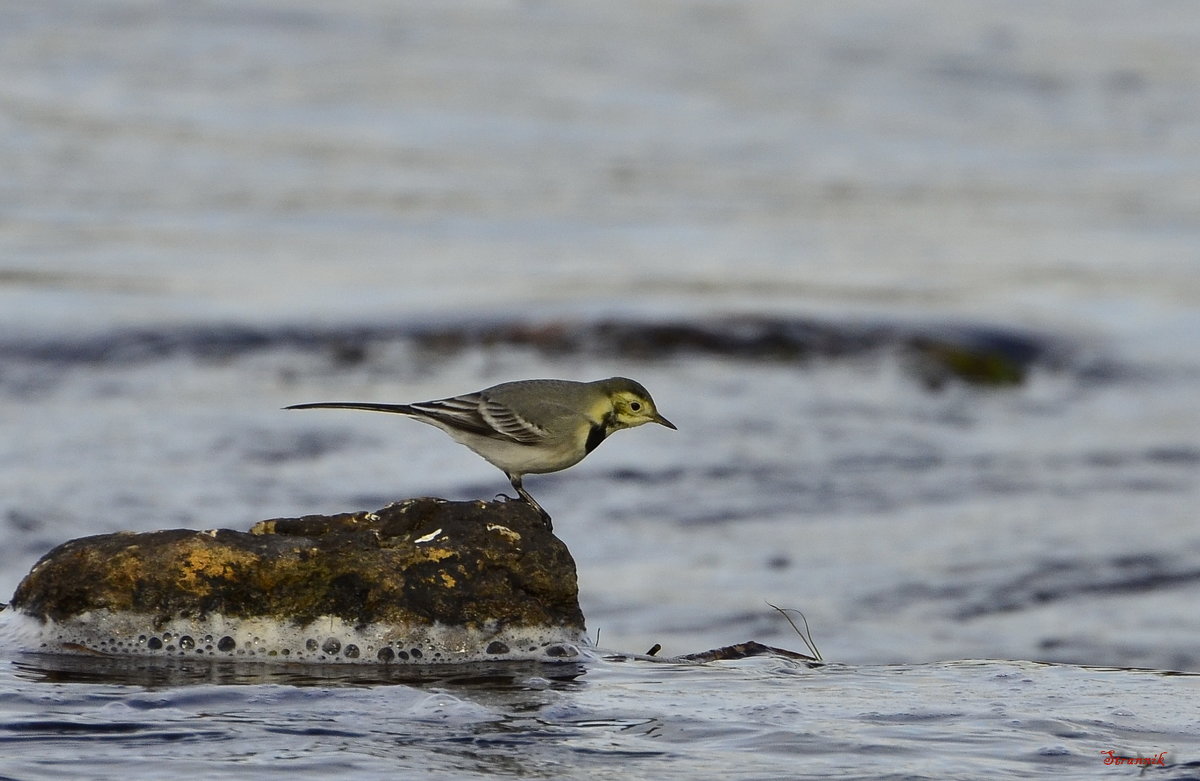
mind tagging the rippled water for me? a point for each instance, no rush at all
(211, 211)
(757, 718)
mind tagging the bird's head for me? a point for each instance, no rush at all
(631, 404)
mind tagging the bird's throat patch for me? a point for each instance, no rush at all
(596, 435)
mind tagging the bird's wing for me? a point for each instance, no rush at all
(459, 412)
(478, 414)
(509, 424)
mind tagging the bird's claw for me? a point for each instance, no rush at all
(545, 516)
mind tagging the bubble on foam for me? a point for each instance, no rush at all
(325, 640)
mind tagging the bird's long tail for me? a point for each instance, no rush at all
(402, 409)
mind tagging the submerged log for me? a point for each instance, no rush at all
(424, 580)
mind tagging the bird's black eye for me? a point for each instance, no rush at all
(636, 406)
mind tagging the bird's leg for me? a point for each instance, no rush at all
(516, 483)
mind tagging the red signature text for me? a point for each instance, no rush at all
(1113, 758)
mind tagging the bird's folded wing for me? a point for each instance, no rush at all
(508, 423)
(477, 414)
(460, 412)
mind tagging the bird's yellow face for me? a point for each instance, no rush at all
(633, 409)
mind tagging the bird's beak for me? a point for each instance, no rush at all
(660, 419)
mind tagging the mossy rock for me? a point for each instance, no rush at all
(449, 580)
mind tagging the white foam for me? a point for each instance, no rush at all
(327, 640)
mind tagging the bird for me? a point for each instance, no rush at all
(529, 426)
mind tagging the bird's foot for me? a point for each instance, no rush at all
(545, 516)
(538, 509)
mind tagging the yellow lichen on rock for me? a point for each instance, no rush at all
(200, 563)
(435, 554)
(263, 527)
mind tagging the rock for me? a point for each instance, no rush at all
(978, 354)
(424, 580)
(987, 361)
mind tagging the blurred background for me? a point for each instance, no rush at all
(918, 282)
